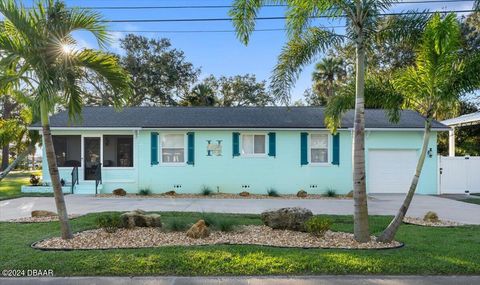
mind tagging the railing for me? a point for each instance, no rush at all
(74, 177)
(98, 177)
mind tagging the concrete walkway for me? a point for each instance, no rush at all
(274, 280)
(378, 205)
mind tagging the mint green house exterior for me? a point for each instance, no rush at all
(218, 149)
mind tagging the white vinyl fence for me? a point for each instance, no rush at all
(459, 174)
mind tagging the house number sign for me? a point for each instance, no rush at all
(214, 148)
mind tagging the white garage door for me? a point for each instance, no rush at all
(390, 171)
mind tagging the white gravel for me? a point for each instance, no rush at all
(254, 235)
(421, 222)
(40, 219)
(225, 196)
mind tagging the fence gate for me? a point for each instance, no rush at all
(459, 174)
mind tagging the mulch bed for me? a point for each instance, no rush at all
(45, 219)
(421, 222)
(244, 235)
(223, 196)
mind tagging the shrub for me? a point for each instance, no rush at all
(34, 180)
(109, 222)
(225, 224)
(431, 217)
(209, 219)
(145, 192)
(331, 193)
(206, 191)
(317, 226)
(177, 225)
(272, 192)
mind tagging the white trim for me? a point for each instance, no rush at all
(185, 145)
(402, 129)
(253, 155)
(329, 149)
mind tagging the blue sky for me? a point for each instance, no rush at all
(217, 53)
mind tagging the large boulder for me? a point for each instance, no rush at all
(43, 213)
(287, 218)
(198, 230)
(244, 194)
(139, 218)
(119, 192)
(302, 194)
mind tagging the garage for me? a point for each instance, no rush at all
(390, 171)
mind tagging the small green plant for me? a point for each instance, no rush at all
(109, 222)
(206, 191)
(34, 180)
(177, 225)
(272, 192)
(225, 224)
(431, 217)
(318, 226)
(145, 192)
(330, 193)
(209, 219)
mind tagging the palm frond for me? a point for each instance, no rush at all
(298, 52)
(17, 14)
(88, 20)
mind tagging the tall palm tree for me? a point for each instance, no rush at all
(306, 39)
(433, 87)
(327, 75)
(40, 40)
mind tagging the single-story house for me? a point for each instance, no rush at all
(235, 149)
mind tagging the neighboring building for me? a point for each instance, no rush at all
(236, 149)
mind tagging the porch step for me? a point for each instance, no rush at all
(86, 188)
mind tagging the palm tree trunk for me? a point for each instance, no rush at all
(5, 156)
(389, 233)
(361, 230)
(54, 175)
(19, 159)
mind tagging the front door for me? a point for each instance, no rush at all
(91, 154)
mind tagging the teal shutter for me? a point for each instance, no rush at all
(153, 148)
(236, 144)
(303, 148)
(272, 148)
(191, 148)
(336, 149)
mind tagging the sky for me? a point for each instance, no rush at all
(218, 53)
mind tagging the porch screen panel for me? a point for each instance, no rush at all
(118, 151)
(67, 150)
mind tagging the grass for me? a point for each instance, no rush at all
(206, 191)
(426, 251)
(10, 187)
(272, 192)
(471, 200)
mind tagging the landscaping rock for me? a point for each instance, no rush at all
(244, 194)
(302, 194)
(198, 230)
(171, 193)
(119, 192)
(139, 218)
(431, 217)
(43, 213)
(287, 218)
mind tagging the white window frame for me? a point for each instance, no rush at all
(166, 163)
(329, 149)
(253, 154)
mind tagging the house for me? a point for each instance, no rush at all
(235, 149)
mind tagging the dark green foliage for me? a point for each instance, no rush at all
(177, 225)
(34, 180)
(430, 217)
(224, 224)
(272, 192)
(330, 193)
(109, 222)
(206, 191)
(145, 192)
(318, 226)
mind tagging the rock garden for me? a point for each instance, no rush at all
(286, 227)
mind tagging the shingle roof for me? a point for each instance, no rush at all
(227, 117)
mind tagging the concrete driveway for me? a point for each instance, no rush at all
(378, 205)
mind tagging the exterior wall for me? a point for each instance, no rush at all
(227, 173)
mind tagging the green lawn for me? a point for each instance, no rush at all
(10, 186)
(426, 251)
(472, 200)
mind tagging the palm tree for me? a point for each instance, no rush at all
(307, 40)
(40, 41)
(327, 75)
(201, 95)
(433, 87)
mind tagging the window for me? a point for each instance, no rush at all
(173, 148)
(118, 151)
(319, 148)
(67, 150)
(253, 145)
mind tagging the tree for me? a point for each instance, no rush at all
(201, 95)
(328, 75)
(40, 41)
(242, 90)
(440, 75)
(307, 40)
